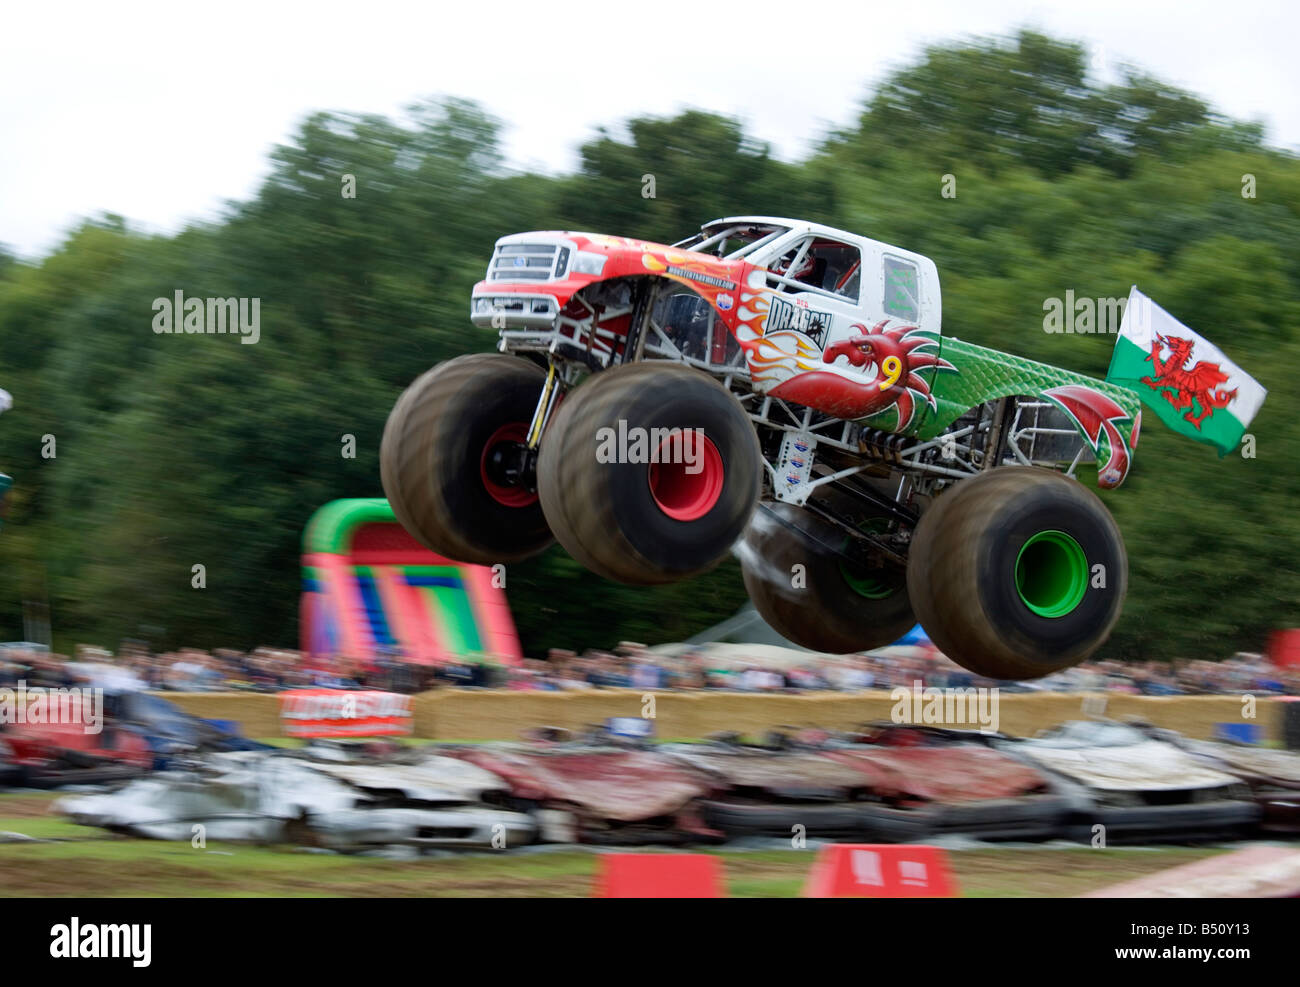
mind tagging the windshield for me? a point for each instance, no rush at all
(731, 240)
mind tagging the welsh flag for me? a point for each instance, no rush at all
(1186, 379)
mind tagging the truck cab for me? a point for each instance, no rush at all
(839, 277)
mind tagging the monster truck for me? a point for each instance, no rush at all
(781, 387)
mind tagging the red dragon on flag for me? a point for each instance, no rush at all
(1185, 388)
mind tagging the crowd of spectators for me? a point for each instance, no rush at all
(630, 665)
(1242, 673)
(219, 670)
(633, 666)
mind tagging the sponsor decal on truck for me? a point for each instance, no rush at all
(808, 321)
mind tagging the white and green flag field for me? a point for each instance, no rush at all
(1189, 382)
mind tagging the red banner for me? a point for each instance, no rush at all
(339, 713)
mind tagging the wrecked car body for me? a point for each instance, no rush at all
(138, 732)
(601, 794)
(47, 755)
(953, 781)
(1138, 788)
(888, 785)
(171, 732)
(782, 792)
(1272, 775)
(429, 802)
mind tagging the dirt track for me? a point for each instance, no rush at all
(114, 867)
(25, 806)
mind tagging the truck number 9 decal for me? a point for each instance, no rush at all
(893, 369)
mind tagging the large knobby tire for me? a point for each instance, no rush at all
(829, 604)
(1003, 573)
(436, 454)
(646, 523)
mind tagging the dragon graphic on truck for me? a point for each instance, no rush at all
(881, 372)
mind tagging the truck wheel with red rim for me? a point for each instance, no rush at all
(452, 460)
(1017, 573)
(831, 604)
(629, 487)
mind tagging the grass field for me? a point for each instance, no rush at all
(79, 861)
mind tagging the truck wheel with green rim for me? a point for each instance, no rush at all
(830, 604)
(1017, 573)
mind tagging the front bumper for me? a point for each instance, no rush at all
(513, 310)
(454, 826)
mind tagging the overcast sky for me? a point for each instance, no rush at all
(163, 111)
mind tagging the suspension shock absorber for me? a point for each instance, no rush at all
(884, 446)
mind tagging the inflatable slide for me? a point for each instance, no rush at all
(369, 588)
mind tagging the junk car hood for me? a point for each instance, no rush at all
(1116, 757)
(613, 784)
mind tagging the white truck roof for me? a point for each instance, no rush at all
(804, 226)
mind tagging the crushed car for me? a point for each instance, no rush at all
(1138, 788)
(414, 799)
(48, 755)
(137, 732)
(773, 789)
(958, 783)
(1273, 776)
(597, 791)
(885, 784)
(171, 732)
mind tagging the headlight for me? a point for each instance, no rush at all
(586, 262)
(483, 305)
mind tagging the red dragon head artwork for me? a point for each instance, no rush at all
(892, 356)
(1180, 350)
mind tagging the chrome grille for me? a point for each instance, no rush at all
(524, 262)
